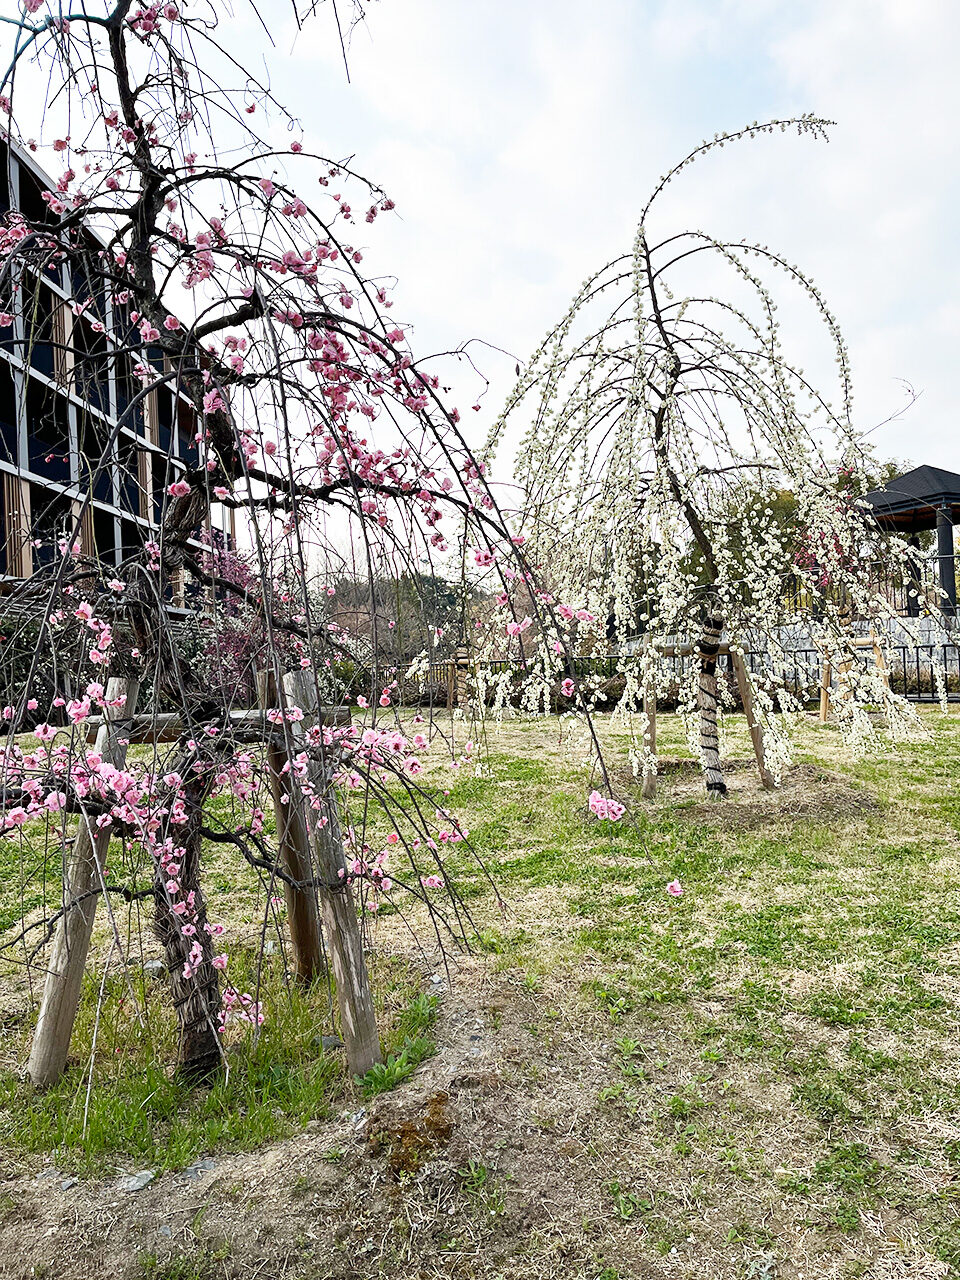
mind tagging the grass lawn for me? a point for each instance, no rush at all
(757, 1079)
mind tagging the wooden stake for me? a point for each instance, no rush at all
(82, 880)
(293, 839)
(753, 722)
(879, 659)
(650, 740)
(358, 1019)
(825, 682)
(462, 699)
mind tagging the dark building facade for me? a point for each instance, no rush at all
(74, 440)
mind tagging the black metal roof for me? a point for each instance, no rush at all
(911, 501)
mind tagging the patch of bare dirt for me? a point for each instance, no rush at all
(806, 793)
(476, 1167)
(502, 1159)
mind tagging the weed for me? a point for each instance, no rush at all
(201, 1264)
(397, 1067)
(626, 1204)
(847, 1215)
(476, 1180)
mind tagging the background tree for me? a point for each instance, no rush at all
(674, 458)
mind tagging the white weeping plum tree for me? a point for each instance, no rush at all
(664, 427)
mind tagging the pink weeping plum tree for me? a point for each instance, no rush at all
(203, 276)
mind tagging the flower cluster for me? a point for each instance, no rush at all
(606, 808)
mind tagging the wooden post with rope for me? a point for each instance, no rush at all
(83, 880)
(293, 840)
(843, 668)
(358, 1020)
(745, 685)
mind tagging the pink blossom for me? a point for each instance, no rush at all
(518, 628)
(179, 489)
(213, 403)
(604, 808)
(78, 709)
(675, 889)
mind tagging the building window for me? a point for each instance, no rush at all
(105, 536)
(51, 519)
(39, 307)
(96, 457)
(92, 368)
(9, 435)
(128, 475)
(48, 433)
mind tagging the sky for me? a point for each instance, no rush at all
(520, 138)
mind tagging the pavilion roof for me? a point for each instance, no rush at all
(910, 502)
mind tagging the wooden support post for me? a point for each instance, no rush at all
(462, 696)
(650, 741)
(879, 659)
(753, 721)
(358, 1019)
(826, 679)
(844, 667)
(293, 839)
(82, 880)
(451, 684)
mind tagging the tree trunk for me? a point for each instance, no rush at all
(707, 649)
(194, 984)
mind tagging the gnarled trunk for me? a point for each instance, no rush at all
(707, 650)
(194, 984)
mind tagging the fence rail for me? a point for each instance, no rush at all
(912, 670)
